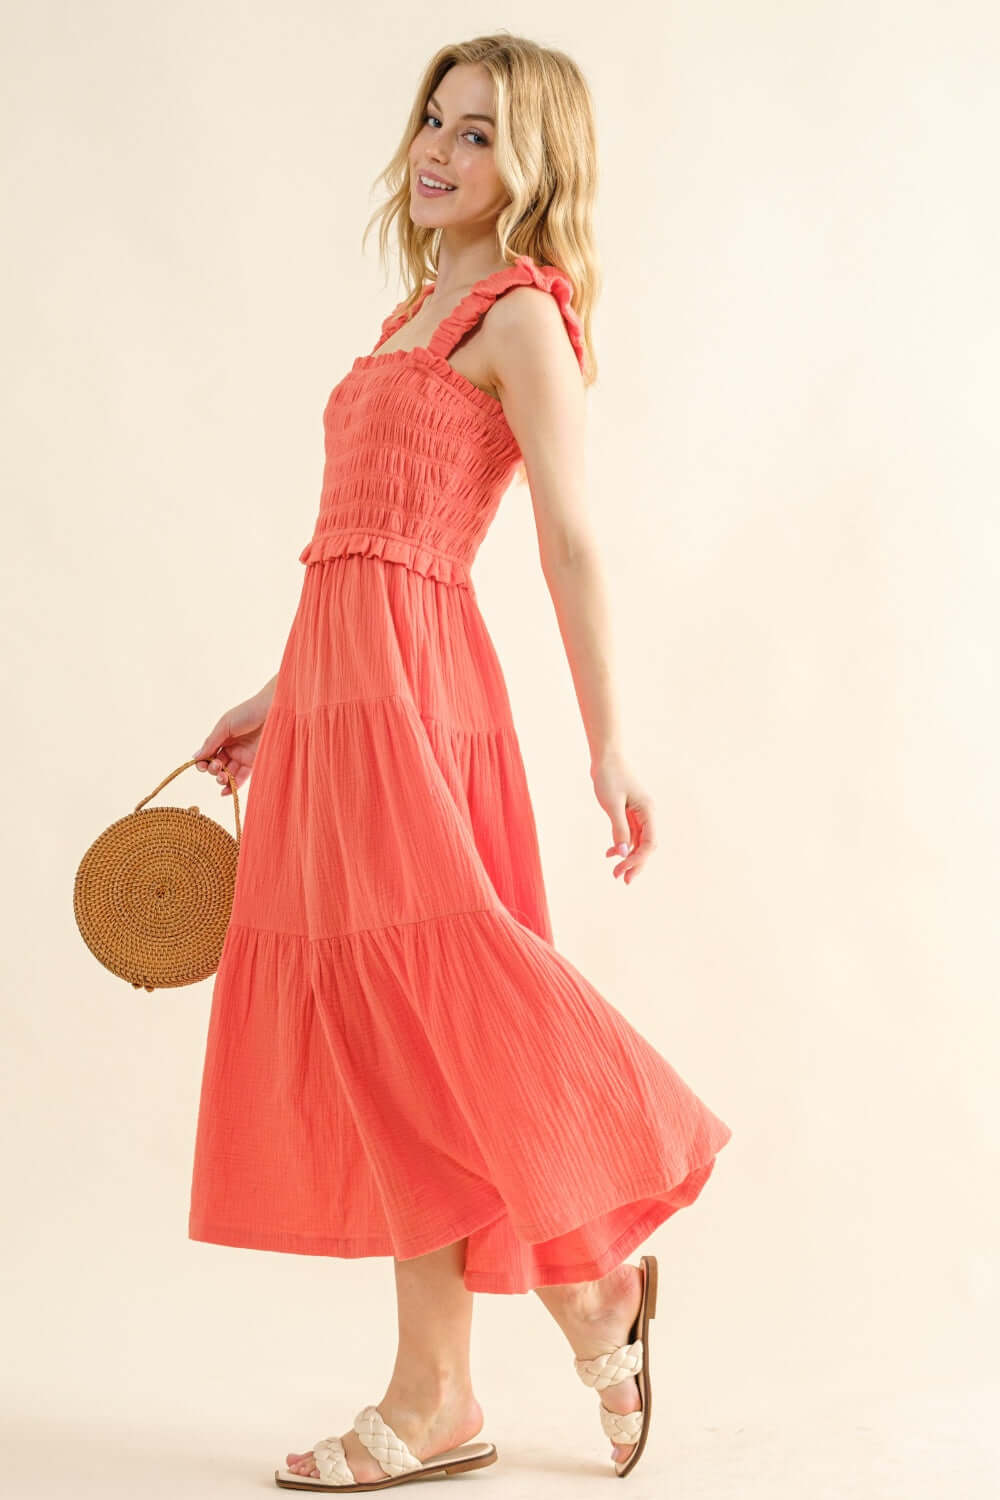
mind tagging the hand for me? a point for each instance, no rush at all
(232, 744)
(631, 812)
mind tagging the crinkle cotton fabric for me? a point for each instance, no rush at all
(397, 1055)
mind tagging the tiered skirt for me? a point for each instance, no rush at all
(397, 1056)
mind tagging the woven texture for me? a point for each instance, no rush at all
(623, 1363)
(383, 1444)
(609, 1369)
(621, 1426)
(398, 1056)
(388, 1449)
(152, 896)
(331, 1461)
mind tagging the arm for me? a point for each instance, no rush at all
(232, 743)
(535, 371)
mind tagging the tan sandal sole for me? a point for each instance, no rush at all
(454, 1461)
(640, 1330)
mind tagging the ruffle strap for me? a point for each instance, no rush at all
(473, 306)
(402, 313)
(523, 272)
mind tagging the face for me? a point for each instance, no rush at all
(455, 146)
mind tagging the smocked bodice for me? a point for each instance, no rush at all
(417, 458)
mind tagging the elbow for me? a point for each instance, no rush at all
(566, 553)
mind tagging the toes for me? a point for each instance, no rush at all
(304, 1464)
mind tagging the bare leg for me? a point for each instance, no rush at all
(429, 1400)
(596, 1317)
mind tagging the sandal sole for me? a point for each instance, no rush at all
(640, 1330)
(455, 1461)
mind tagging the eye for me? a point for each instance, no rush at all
(480, 138)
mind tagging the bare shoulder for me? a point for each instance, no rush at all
(529, 312)
(527, 336)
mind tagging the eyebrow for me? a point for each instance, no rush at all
(488, 118)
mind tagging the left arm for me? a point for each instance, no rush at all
(536, 374)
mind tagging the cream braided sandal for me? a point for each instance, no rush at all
(629, 1360)
(389, 1451)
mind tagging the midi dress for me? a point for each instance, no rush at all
(397, 1055)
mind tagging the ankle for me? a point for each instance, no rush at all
(576, 1300)
(430, 1388)
(586, 1301)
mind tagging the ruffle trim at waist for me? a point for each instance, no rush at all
(397, 549)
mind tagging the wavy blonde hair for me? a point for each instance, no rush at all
(546, 155)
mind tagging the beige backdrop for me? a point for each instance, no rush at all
(793, 474)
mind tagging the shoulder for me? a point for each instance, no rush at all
(528, 305)
(398, 315)
(401, 312)
(534, 319)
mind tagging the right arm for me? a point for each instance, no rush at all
(231, 744)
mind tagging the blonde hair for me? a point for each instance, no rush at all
(546, 155)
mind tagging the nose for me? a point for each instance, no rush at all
(431, 158)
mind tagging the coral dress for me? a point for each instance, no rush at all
(397, 1056)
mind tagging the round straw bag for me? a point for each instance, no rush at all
(153, 893)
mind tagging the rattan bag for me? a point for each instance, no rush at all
(153, 893)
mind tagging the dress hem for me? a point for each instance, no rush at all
(243, 1237)
(288, 1242)
(592, 1270)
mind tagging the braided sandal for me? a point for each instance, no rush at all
(631, 1359)
(391, 1453)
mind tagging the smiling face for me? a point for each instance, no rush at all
(455, 146)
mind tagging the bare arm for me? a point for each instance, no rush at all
(231, 744)
(537, 376)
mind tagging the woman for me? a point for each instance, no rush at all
(399, 1061)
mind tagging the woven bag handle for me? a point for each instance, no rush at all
(183, 767)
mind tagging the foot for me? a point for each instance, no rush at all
(426, 1427)
(597, 1317)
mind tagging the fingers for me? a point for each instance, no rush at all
(212, 744)
(218, 765)
(203, 755)
(239, 773)
(641, 823)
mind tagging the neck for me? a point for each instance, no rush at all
(459, 270)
